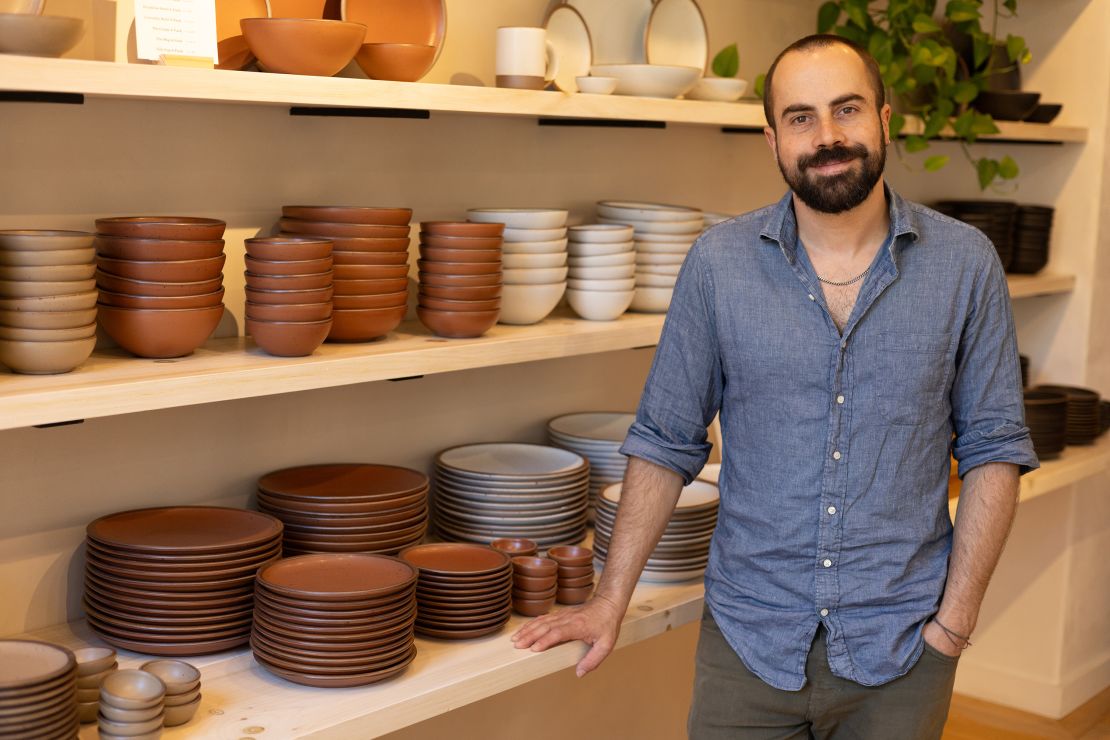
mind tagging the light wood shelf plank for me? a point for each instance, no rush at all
(1027, 286)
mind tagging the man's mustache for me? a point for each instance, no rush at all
(832, 155)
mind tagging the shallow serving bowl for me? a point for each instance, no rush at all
(39, 35)
(47, 319)
(162, 227)
(27, 258)
(520, 218)
(303, 46)
(45, 358)
(649, 80)
(721, 89)
(527, 304)
(44, 239)
(400, 62)
(599, 305)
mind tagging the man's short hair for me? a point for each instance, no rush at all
(821, 41)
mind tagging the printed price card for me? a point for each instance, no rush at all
(175, 28)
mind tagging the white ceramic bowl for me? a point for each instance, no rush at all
(667, 238)
(596, 85)
(520, 218)
(599, 305)
(651, 300)
(649, 80)
(662, 227)
(604, 260)
(659, 258)
(721, 89)
(621, 284)
(616, 272)
(558, 245)
(534, 235)
(595, 249)
(39, 35)
(655, 281)
(528, 304)
(663, 247)
(534, 277)
(639, 210)
(604, 233)
(533, 261)
(671, 270)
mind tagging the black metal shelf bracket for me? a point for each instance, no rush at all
(741, 130)
(340, 112)
(600, 123)
(32, 96)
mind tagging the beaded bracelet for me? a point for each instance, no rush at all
(950, 634)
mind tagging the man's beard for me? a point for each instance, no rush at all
(840, 192)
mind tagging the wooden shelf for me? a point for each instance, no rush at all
(1027, 286)
(152, 82)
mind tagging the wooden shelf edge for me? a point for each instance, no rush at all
(1027, 286)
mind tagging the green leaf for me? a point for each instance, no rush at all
(852, 34)
(1015, 47)
(959, 11)
(727, 62)
(934, 124)
(983, 124)
(945, 107)
(894, 72)
(827, 16)
(758, 84)
(858, 15)
(981, 51)
(1008, 168)
(1010, 5)
(916, 143)
(986, 169)
(965, 92)
(897, 123)
(1027, 57)
(925, 24)
(935, 162)
(962, 124)
(924, 74)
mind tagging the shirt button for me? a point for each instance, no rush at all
(824, 612)
(811, 297)
(827, 563)
(843, 345)
(831, 509)
(840, 399)
(836, 455)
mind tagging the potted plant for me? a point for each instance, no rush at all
(723, 87)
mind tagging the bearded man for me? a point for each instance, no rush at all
(851, 340)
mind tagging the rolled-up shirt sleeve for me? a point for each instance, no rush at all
(988, 407)
(683, 389)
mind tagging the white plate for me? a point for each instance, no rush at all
(663, 247)
(692, 228)
(567, 32)
(603, 446)
(649, 80)
(520, 218)
(676, 35)
(538, 484)
(699, 495)
(515, 235)
(666, 238)
(600, 233)
(654, 281)
(617, 28)
(556, 245)
(645, 211)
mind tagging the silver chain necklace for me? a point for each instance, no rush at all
(842, 283)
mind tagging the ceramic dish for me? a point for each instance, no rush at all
(184, 529)
(676, 35)
(568, 34)
(520, 218)
(649, 80)
(231, 48)
(39, 35)
(617, 28)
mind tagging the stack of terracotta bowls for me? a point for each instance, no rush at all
(182, 682)
(347, 507)
(161, 282)
(683, 550)
(464, 590)
(596, 436)
(132, 704)
(176, 580)
(506, 489)
(576, 572)
(602, 270)
(37, 690)
(534, 585)
(370, 256)
(335, 620)
(460, 277)
(277, 269)
(47, 300)
(93, 666)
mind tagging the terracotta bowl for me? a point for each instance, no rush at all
(443, 241)
(289, 311)
(579, 582)
(35, 240)
(284, 297)
(288, 338)
(372, 244)
(287, 267)
(534, 566)
(70, 302)
(45, 358)
(288, 248)
(289, 282)
(457, 324)
(462, 228)
(122, 300)
(328, 228)
(460, 281)
(16, 258)
(24, 289)
(459, 268)
(371, 287)
(361, 325)
(575, 571)
(350, 214)
(533, 607)
(40, 273)
(180, 714)
(527, 593)
(444, 304)
(157, 333)
(162, 227)
(460, 255)
(371, 258)
(477, 293)
(573, 595)
(534, 583)
(571, 555)
(381, 300)
(48, 319)
(514, 545)
(117, 284)
(302, 46)
(130, 248)
(400, 62)
(20, 334)
(180, 271)
(370, 272)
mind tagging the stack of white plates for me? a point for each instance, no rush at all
(712, 219)
(506, 489)
(683, 551)
(602, 268)
(533, 260)
(596, 436)
(663, 236)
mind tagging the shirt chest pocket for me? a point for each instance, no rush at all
(914, 372)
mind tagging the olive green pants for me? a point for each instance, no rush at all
(731, 702)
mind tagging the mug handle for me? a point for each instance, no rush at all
(552, 62)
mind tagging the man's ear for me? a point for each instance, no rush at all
(884, 116)
(769, 135)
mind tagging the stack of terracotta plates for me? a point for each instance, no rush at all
(596, 436)
(38, 690)
(335, 620)
(683, 550)
(1046, 415)
(464, 590)
(506, 489)
(370, 258)
(176, 580)
(466, 259)
(347, 507)
(1084, 423)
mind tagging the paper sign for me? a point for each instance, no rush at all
(175, 28)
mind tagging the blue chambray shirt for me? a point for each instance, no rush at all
(834, 479)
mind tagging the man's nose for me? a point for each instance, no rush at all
(828, 133)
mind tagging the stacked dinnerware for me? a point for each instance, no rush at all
(47, 300)
(596, 436)
(602, 270)
(347, 507)
(464, 590)
(460, 277)
(664, 234)
(575, 577)
(37, 690)
(1084, 422)
(534, 585)
(370, 256)
(995, 218)
(506, 489)
(513, 546)
(683, 550)
(1032, 231)
(709, 218)
(93, 666)
(1046, 415)
(176, 580)
(182, 682)
(535, 260)
(278, 326)
(161, 282)
(132, 704)
(335, 619)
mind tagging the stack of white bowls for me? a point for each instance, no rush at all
(708, 218)
(533, 259)
(596, 436)
(602, 270)
(663, 236)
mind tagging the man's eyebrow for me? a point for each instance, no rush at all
(807, 108)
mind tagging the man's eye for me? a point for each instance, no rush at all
(848, 109)
(799, 119)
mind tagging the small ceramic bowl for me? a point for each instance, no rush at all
(45, 358)
(130, 248)
(48, 319)
(400, 62)
(457, 324)
(132, 689)
(177, 700)
(286, 297)
(88, 695)
(18, 334)
(129, 715)
(295, 248)
(40, 273)
(177, 675)
(571, 555)
(575, 571)
(596, 85)
(573, 595)
(129, 728)
(87, 711)
(524, 593)
(578, 582)
(533, 607)
(515, 545)
(289, 338)
(289, 311)
(287, 267)
(180, 714)
(534, 583)
(93, 680)
(534, 566)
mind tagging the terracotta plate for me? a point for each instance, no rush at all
(370, 519)
(338, 577)
(399, 21)
(107, 631)
(454, 557)
(123, 569)
(148, 608)
(185, 529)
(430, 580)
(341, 608)
(177, 649)
(358, 679)
(230, 45)
(200, 561)
(350, 214)
(347, 481)
(168, 599)
(142, 628)
(337, 657)
(341, 667)
(25, 663)
(348, 640)
(460, 634)
(167, 618)
(195, 588)
(333, 626)
(333, 648)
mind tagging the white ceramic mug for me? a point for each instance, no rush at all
(525, 58)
